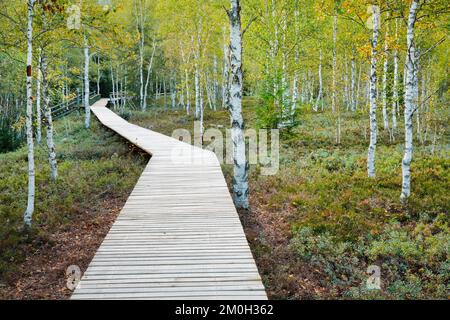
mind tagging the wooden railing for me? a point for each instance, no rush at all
(75, 104)
(121, 99)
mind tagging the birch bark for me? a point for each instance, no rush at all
(226, 76)
(173, 92)
(333, 93)
(395, 87)
(358, 87)
(98, 75)
(373, 94)
(353, 83)
(320, 94)
(38, 99)
(240, 179)
(149, 71)
(188, 94)
(410, 103)
(29, 119)
(87, 108)
(215, 83)
(113, 82)
(197, 93)
(140, 27)
(48, 121)
(385, 71)
(297, 57)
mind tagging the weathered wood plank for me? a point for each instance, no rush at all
(178, 236)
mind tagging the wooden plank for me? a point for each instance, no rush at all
(178, 236)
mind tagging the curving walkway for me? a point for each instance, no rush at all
(178, 235)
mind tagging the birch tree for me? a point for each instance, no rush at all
(29, 118)
(333, 85)
(240, 177)
(385, 71)
(395, 87)
(198, 105)
(48, 120)
(149, 71)
(98, 73)
(49, 35)
(373, 93)
(297, 58)
(410, 101)
(225, 78)
(139, 6)
(87, 107)
(320, 94)
(353, 83)
(38, 99)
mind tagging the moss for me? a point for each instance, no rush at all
(323, 188)
(351, 221)
(92, 165)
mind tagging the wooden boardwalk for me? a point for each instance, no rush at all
(178, 235)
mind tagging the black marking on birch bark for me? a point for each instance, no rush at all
(237, 124)
(29, 71)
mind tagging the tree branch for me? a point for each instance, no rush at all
(248, 25)
(433, 46)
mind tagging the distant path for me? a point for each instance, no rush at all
(178, 235)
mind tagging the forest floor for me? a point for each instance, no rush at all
(97, 171)
(314, 227)
(318, 224)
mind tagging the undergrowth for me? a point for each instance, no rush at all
(93, 165)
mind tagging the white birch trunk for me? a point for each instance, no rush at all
(385, 71)
(173, 93)
(209, 92)
(395, 88)
(410, 103)
(201, 98)
(303, 89)
(113, 86)
(197, 93)
(294, 92)
(125, 88)
(119, 103)
(346, 95)
(98, 75)
(358, 87)
(49, 121)
(373, 95)
(165, 92)
(416, 98)
(333, 93)
(149, 71)
(29, 119)
(181, 96)
(297, 56)
(140, 27)
(352, 86)
(202, 128)
(188, 94)
(226, 75)
(320, 94)
(215, 83)
(87, 108)
(38, 99)
(240, 179)
(284, 82)
(120, 77)
(311, 89)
